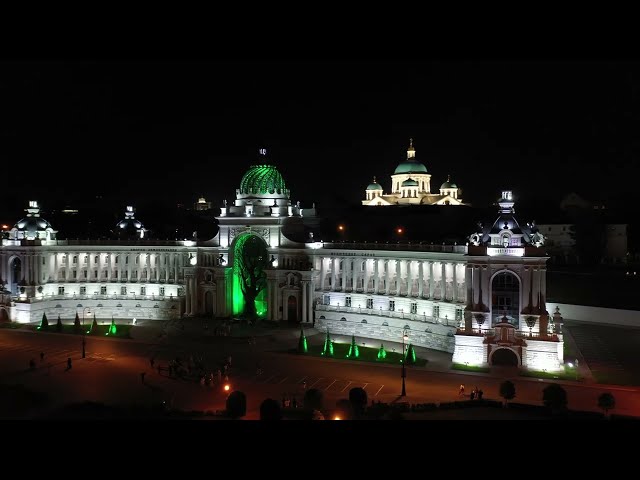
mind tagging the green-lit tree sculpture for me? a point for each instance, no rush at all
(44, 324)
(112, 327)
(94, 326)
(327, 350)
(251, 260)
(382, 353)
(302, 343)
(353, 349)
(410, 356)
(59, 324)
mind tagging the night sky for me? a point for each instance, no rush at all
(157, 133)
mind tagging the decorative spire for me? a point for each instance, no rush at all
(411, 152)
(374, 179)
(448, 178)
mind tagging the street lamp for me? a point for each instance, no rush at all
(405, 338)
(84, 341)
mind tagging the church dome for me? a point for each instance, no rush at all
(375, 185)
(262, 179)
(409, 166)
(32, 225)
(410, 182)
(448, 184)
(130, 225)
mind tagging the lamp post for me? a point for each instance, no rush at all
(84, 341)
(405, 338)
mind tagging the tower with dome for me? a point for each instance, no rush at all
(411, 185)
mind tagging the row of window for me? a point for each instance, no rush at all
(103, 290)
(125, 274)
(392, 306)
(97, 259)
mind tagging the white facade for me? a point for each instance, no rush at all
(449, 297)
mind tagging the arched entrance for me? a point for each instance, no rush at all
(208, 302)
(4, 316)
(250, 260)
(292, 308)
(504, 357)
(505, 298)
(15, 268)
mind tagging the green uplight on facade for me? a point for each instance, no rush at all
(238, 300)
(262, 179)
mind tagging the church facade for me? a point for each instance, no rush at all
(411, 185)
(484, 302)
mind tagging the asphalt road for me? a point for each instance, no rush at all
(111, 374)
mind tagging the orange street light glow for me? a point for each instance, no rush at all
(337, 418)
(399, 230)
(227, 388)
(340, 227)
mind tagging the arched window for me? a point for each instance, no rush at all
(505, 240)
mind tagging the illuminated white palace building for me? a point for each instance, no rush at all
(411, 185)
(484, 302)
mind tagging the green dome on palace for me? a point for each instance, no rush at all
(262, 179)
(374, 186)
(448, 185)
(410, 167)
(410, 182)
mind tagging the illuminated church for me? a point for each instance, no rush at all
(484, 301)
(411, 185)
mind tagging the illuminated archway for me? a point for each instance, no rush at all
(250, 259)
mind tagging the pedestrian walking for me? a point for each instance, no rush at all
(42, 356)
(461, 391)
(152, 361)
(304, 385)
(142, 374)
(68, 364)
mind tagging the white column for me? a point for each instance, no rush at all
(443, 281)
(194, 296)
(431, 282)
(188, 296)
(343, 276)
(310, 299)
(536, 285)
(476, 285)
(386, 277)
(398, 277)
(468, 282)
(304, 300)
(109, 266)
(420, 279)
(543, 284)
(323, 273)
(334, 268)
(376, 276)
(455, 282)
(526, 287)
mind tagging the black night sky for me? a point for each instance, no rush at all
(156, 133)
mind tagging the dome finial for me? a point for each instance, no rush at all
(411, 152)
(374, 179)
(448, 178)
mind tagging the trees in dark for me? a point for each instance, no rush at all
(606, 402)
(507, 391)
(313, 399)
(236, 404)
(270, 410)
(555, 397)
(358, 399)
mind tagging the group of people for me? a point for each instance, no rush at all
(475, 393)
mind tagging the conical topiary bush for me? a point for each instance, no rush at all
(327, 350)
(59, 324)
(76, 324)
(410, 356)
(94, 326)
(382, 353)
(353, 349)
(302, 343)
(44, 323)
